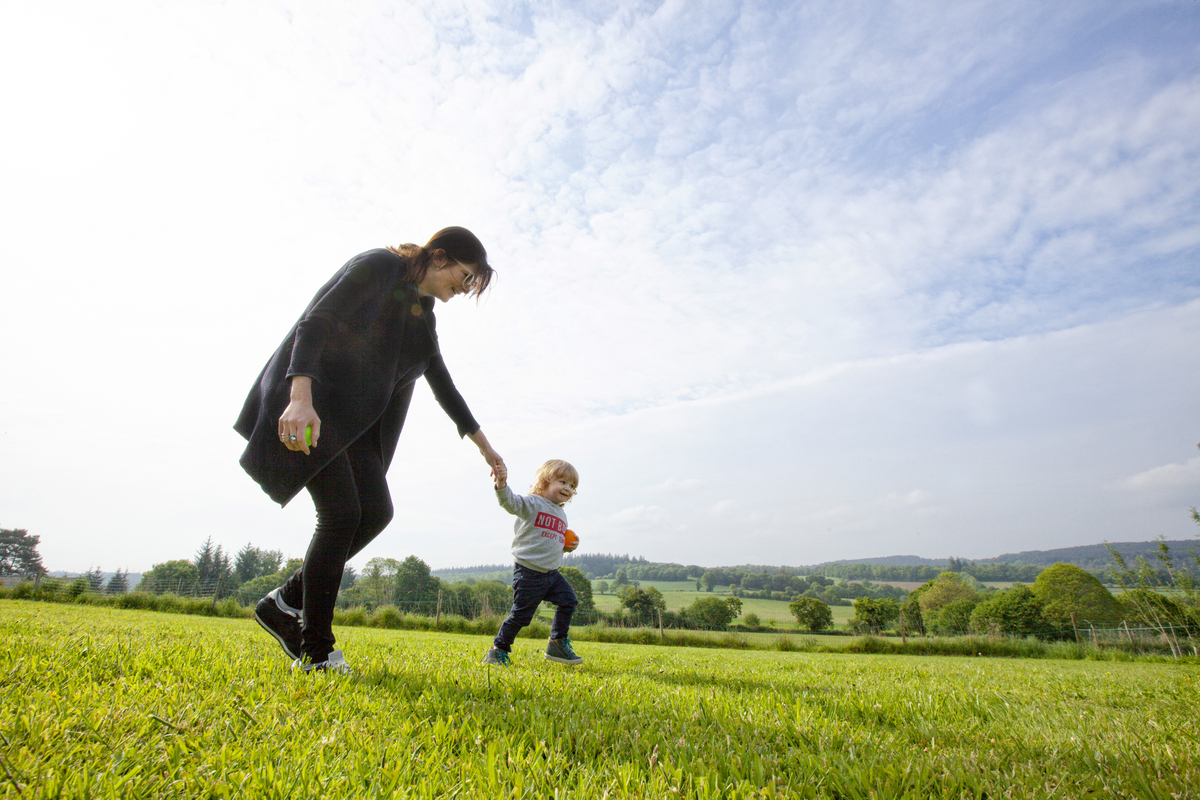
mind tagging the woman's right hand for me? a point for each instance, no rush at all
(298, 416)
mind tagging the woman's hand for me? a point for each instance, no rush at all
(298, 416)
(489, 454)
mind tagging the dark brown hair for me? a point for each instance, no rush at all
(460, 245)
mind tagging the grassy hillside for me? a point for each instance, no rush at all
(109, 703)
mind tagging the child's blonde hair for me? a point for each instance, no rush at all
(552, 469)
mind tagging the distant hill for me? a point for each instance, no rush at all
(889, 561)
(1093, 558)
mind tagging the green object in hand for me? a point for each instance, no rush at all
(308, 436)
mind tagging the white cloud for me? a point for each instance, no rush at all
(1178, 481)
(849, 248)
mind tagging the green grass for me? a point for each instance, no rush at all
(101, 702)
(678, 594)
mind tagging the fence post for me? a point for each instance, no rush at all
(438, 618)
(1074, 628)
(661, 635)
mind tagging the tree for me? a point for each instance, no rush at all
(1016, 612)
(622, 578)
(911, 619)
(944, 589)
(874, 614)
(118, 583)
(656, 599)
(18, 553)
(812, 613)
(1143, 585)
(173, 577)
(1147, 609)
(212, 566)
(349, 576)
(953, 618)
(602, 587)
(713, 612)
(377, 584)
(1071, 597)
(582, 586)
(415, 586)
(709, 579)
(252, 562)
(642, 603)
(95, 579)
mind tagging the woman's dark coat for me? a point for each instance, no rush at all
(364, 339)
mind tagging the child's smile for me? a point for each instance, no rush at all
(559, 491)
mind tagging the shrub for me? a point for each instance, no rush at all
(1016, 612)
(354, 616)
(871, 614)
(137, 600)
(387, 617)
(812, 613)
(951, 619)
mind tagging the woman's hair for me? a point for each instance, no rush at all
(459, 244)
(552, 469)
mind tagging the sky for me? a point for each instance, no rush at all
(787, 283)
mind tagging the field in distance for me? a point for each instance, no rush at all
(678, 594)
(101, 702)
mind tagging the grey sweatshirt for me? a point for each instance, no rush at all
(539, 532)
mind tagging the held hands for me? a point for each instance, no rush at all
(499, 471)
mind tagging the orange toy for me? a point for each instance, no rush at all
(570, 542)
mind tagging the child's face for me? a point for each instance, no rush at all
(559, 491)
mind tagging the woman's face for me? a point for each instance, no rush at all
(446, 278)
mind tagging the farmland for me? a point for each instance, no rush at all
(104, 702)
(678, 594)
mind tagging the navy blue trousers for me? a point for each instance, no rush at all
(530, 588)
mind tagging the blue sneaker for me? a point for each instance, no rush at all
(560, 650)
(498, 657)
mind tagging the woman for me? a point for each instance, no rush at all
(346, 370)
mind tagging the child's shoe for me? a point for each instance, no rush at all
(498, 657)
(560, 650)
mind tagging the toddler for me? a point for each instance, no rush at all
(538, 544)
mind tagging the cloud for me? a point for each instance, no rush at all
(853, 250)
(677, 486)
(1178, 481)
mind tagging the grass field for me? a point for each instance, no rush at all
(110, 703)
(678, 594)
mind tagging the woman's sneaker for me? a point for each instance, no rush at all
(281, 621)
(334, 662)
(498, 657)
(560, 650)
